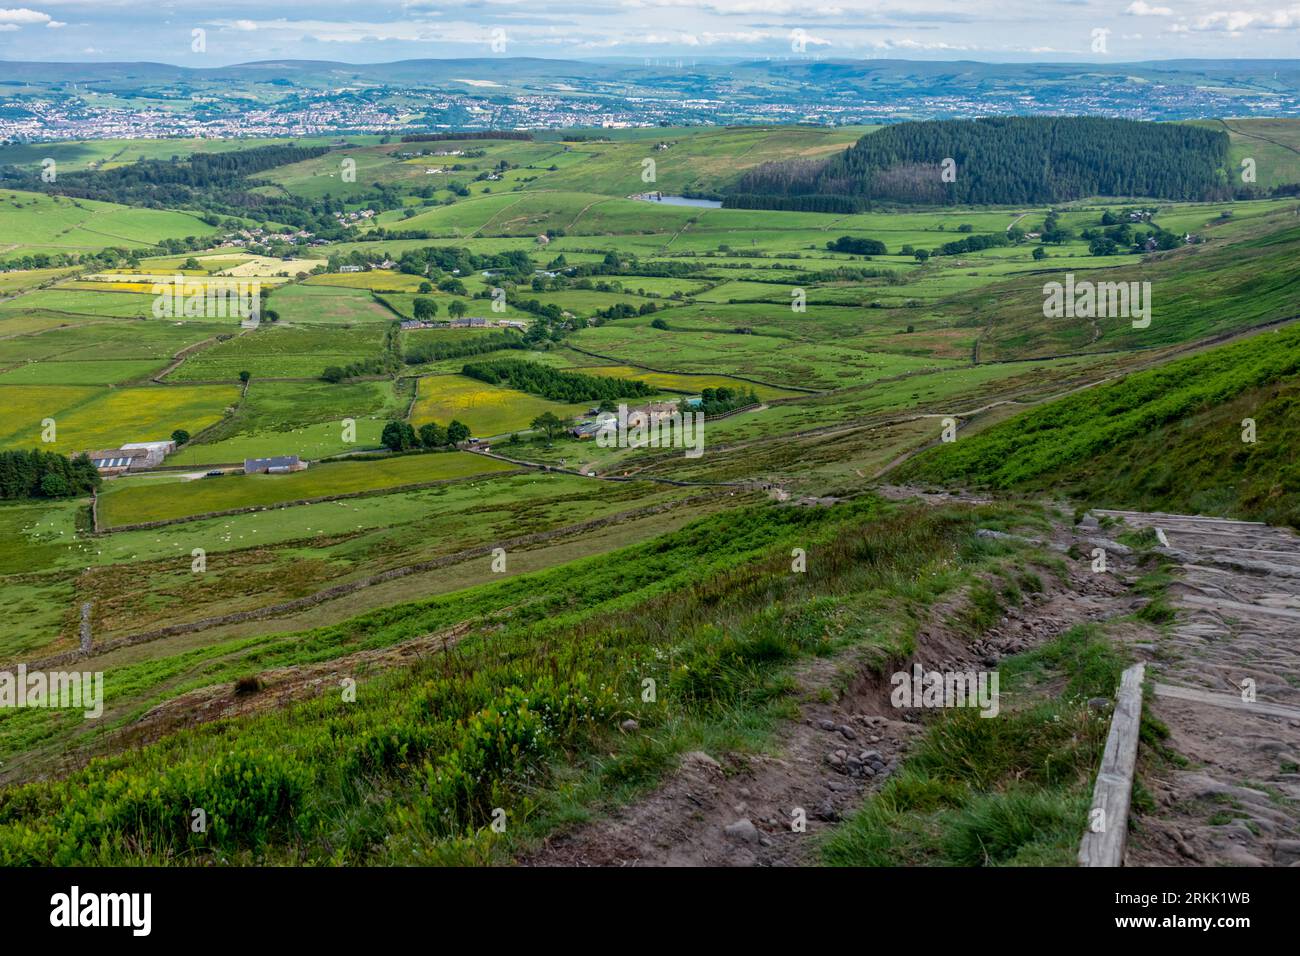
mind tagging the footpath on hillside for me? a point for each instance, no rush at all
(1225, 680)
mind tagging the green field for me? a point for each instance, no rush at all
(58, 224)
(131, 501)
(87, 418)
(487, 409)
(320, 304)
(283, 352)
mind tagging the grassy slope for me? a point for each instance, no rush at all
(413, 769)
(1169, 437)
(1238, 281)
(129, 503)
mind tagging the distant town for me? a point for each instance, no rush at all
(656, 94)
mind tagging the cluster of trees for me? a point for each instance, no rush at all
(554, 384)
(1004, 160)
(462, 347)
(435, 261)
(1128, 231)
(426, 309)
(401, 436)
(1053, 232)
(616, 264)
(973, 244)
(45, 474)
(624, 310)
(857, 246)
(716, 401)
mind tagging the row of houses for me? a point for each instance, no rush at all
(468, 322)
(654, 411)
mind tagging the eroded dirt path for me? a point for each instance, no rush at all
(739, 810)
(1237, 801)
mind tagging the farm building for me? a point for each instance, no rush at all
(588, 428)
(158, 450)
(132, 456)
(116, 461)
(276, 465)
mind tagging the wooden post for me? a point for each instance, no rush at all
(1103, 843)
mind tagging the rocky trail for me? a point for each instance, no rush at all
(740, 810)
(1226, 679)
(1230, 796)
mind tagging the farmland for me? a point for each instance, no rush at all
(51, 224)
(486, 409)
(542, 586)
(146, 501)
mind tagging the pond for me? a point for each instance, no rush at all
(679, 200)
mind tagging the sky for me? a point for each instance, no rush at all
(375, 31)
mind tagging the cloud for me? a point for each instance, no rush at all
(246, 26)
(1234, 21)
(1140, 8)
(22, 17)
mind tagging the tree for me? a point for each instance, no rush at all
(857, 246)
(398, 436)
(921, 255)
(244, 377)
(426, 288)
(1040, 253)
(457, 432)
(457, 309)
(180, 437)
(424, 308)
(333, 373)
(54, 486)
(550, 423)
(659, 324)
(433, 435)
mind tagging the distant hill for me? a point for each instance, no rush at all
(1001, 160)
(710, 89)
